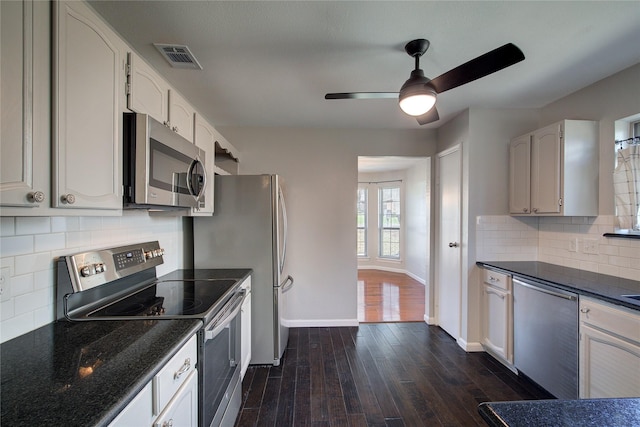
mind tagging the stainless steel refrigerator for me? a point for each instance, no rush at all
(249, 230)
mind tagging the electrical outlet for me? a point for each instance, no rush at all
(590, 246)
(5, 277)
(573, 245)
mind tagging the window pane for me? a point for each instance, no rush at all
(361, 219)
(390, 222)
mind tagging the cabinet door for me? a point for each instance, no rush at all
(181, 115)
(520, 175)
(24, 153)
(496, 321)
(609, 366)
(88, 90)
(148, 93)
(182, 409)
(205, 139)
(546, 179)
(137, 412)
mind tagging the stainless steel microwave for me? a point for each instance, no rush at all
(161, 168)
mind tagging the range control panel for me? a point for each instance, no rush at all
(94, 268)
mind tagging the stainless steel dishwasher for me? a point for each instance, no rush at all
(545, 330)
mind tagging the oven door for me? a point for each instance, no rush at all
(220, 366)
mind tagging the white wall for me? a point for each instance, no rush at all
(29, 247)
(418, 221)
(320, 169)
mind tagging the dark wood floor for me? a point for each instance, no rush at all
(389, 297)
(388, 374)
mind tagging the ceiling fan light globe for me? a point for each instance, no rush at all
(417, 104)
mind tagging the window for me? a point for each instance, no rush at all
(362, 222)
(389, 224)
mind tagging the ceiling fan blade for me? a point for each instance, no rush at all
(362, 95)
(428, 117)
(479, 67)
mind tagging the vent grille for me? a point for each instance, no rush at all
(178, 56)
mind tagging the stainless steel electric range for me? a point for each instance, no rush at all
(120, 283)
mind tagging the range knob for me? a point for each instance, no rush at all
(148, 255)
(91, 269)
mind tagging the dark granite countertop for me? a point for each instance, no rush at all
(83, 373)
(585, 412)
(600, 286)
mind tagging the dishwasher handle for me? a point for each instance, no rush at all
(541, 288)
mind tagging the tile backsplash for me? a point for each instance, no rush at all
(575, 242)
(29, 247)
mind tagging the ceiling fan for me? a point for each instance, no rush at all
(418, 94)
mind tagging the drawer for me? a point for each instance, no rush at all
(173, 374)
(498, 280)
(617, 320)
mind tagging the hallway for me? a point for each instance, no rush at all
(389, 297)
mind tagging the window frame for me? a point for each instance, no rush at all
(365, 227)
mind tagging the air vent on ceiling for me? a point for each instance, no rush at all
(178, 56)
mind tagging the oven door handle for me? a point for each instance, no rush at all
(229, 312)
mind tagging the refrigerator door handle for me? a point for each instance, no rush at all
(287, 284)
(284, 229)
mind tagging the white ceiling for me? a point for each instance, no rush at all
(270, 63)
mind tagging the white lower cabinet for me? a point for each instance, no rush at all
(609, 350)
(245, 325)
(138, 412)
(171, 398)
(497, 315)
(182, 409)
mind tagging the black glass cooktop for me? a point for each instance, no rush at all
(170, 298)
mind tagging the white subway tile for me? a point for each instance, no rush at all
(44, 279)
(7, 226)
(16, 326)
(33, 225)
(87, 223)
(49, 242)
(6, 309)
(64, 223)
(16, 245)
(33, 301)
(22, 284)
(78, 239)
(31, 263)
(609, 269)
(43, 315)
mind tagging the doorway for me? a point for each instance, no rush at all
(393, 237)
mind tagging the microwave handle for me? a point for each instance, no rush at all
(204, 178)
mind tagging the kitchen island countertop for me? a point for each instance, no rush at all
(84, 373)
(557, 413)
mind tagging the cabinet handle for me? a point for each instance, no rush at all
(166, 123)
(525, 210)
(534, 210)
(175, 129)
(68, 198)
(584, 310)
(453, 244)
(185, 367)
(36, 197)
(168, 423)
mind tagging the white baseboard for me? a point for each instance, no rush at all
(393, 270)
(320, 323)
(469, 347)
(429, 320)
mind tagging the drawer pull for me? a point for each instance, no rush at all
(584, 310)
(185, 367)
(168, 423)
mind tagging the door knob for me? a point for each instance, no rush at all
(453, 244)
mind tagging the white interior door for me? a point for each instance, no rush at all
(448, 241)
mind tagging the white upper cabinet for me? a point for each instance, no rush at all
(181, 115)
(24, 106)
(554, 170)
(88, 99)
(149, 93)
(205, 137)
